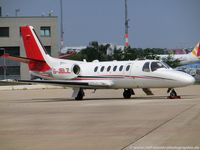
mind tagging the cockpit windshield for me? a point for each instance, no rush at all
(153, 66)
(157, 65)
(166, 65)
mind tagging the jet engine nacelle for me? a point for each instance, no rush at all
(65, 72)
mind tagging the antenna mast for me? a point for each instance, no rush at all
(126, 25)
(61, 26)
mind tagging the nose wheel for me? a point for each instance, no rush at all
(172, 94)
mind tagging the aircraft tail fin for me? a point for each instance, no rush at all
(196, 50)
(34, 49)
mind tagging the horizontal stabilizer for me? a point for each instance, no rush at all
(20, 59)
(34, 64)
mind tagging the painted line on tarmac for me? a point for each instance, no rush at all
(157, 127)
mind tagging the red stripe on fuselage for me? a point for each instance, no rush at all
(117, 77)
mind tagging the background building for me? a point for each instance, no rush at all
(76, 49)
(10, 42)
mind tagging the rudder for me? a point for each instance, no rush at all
(196, 50)
(33, 49)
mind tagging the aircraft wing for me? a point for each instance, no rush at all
(73, 83)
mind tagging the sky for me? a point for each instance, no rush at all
(153, 23)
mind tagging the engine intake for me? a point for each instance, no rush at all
(66, 71)
(76, 69)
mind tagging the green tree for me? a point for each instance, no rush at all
(99, 52)
(93, 52)
(150, 53)
(171, 61)
(118, 54)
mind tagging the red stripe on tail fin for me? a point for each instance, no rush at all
(33, 50)
(198, 50)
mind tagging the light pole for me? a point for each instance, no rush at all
(126, 25)
(17, 11)
(61, 26)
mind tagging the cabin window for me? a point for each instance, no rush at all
(121, 68)
(115, 68)
(127, 68)
(108, 69)
(95, 69)
(146, 67)
(102, 68)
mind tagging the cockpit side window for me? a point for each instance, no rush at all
(146, 67)
(156, 65)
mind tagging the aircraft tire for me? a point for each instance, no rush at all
(80, 95)
(173, 93)
(127, 93)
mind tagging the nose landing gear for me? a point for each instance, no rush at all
(173, 94)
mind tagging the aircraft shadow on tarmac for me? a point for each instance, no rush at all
(146, 98)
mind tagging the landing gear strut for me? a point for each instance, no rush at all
(147, 91)
(80, 95)
(127, 93)
(173, 94)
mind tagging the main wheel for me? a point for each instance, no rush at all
(80, 95)
(127, 93)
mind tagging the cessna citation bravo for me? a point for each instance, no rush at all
(81, 75)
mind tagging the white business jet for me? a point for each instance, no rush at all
(81, 75)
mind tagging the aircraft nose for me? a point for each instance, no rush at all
(186, 79)
(189, 80)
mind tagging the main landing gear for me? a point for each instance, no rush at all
(80, 94)
(172, 94)
(127, 93)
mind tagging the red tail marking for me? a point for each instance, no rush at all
(198, 50)
(32, 50)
